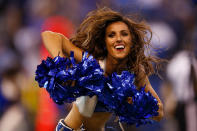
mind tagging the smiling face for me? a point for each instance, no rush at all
(118, 40)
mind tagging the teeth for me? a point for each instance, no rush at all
(119, 47)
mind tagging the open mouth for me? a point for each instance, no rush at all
(119, 47)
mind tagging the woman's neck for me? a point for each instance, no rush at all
(113, 64)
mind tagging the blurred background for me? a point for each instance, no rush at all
(26, 107)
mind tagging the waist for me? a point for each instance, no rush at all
(97, 121)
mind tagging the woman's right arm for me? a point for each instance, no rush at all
(74, 119)
(58, 44)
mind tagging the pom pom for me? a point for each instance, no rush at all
(90, 76)
(52, 75)
(133, 106)
(118, 92)
(57, 76)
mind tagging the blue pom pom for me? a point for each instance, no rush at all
(52, 74)
(58, 74)
(117, 92)
(120, 88)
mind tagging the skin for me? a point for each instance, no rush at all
(117, 33)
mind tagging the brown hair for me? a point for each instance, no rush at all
(91, 37)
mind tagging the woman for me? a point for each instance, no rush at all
(117, 43)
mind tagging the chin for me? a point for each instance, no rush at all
(120, 57)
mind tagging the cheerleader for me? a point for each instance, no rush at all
(117, 43)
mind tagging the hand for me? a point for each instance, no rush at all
(129, 100)
(161, 113)
(86, 105)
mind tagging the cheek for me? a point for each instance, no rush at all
(109, 43)
(129, 41)
(130, 44)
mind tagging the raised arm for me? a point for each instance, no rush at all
(57, 43)
(152, 91)
(149, 88)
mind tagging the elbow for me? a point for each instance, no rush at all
(44, 33)
(47, 34)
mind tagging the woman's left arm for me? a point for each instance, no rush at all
(149, 88)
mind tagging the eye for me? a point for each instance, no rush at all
(111, 35)
(125, 33)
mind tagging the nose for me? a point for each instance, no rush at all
(119, 39)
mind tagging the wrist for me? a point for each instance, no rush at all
(62, 126)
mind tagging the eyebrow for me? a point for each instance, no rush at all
(120, 31)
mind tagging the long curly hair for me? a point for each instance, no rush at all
(91, 37)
